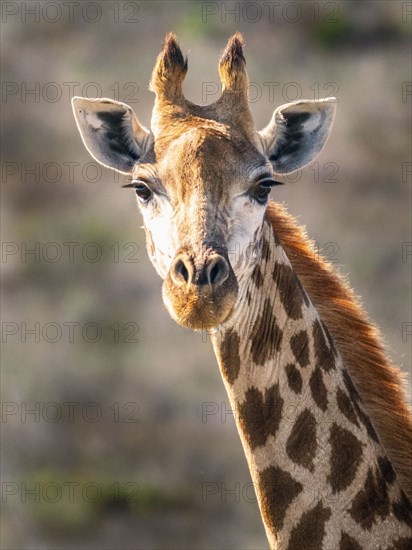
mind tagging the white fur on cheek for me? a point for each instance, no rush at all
(158, 221)
(246, 217)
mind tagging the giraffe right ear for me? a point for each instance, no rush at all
(111, 132)
(297, 132)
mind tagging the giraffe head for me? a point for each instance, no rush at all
(202, 176)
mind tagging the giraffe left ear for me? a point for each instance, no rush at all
(297, 132)
(111, 132)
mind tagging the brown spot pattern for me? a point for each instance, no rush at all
(257, 277)
(346, 407)
(366, 421)
(289, 290)
(303, 291)
(350, 386)
(301, 444)
(266, 249)
(260, 416)
(403, 510)
(310, 530)
(266, 336)
(323, 353)
(348, 543)
(230, 356)
(402, 544)
(346, 455)
(387, 471)
(294, 378)
(356, 401)
(318, 389)
(330, 341)
(371, 501)
(277, 489)
(299, 344)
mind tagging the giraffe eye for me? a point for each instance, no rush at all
(142, 191)
(261, 192)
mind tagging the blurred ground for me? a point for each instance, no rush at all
(130, 443)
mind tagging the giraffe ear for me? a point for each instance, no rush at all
(111, 132)
(297, 132)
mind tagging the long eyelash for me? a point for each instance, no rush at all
(136, 182)
(269, 182)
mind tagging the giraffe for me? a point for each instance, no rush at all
(320, 410)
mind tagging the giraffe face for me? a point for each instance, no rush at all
(201, 216)
(202, 177)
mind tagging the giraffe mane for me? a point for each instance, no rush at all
(378, 381)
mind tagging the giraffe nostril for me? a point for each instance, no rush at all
(217, 271)
(214, 273)
(182, 270)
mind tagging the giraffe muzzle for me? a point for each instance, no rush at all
(200, 293)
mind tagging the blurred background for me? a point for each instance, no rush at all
(117, 432)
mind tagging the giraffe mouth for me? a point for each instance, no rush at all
(200, 306)
(196, 311)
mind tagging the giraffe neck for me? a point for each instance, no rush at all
(321, 476)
